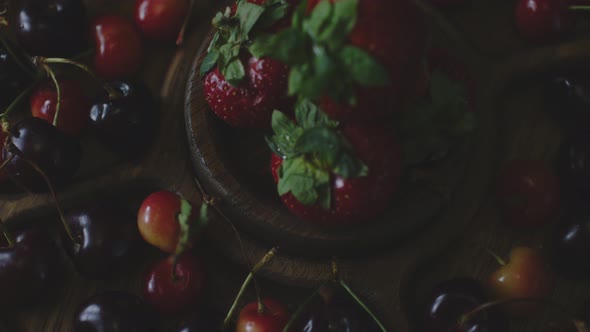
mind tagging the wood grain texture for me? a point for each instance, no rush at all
(392, 279)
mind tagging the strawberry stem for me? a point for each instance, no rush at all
(362, 304)
(265, 260)
(51, 74)
(15, 151)
(187, 18)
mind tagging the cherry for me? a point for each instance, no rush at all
(30, 268)
(202, 322)
(273, 318)
(119, 51)
(50, 27)
(335, 312)
(157, 220)
(114, 311)
(161, 20)
(568, 99)
(448, 303)
(108, 240)
(125, 121)
(523, 277)
(14, 76)
(39, 142)
(543, 20)
(572, 244)
(173, 288)
(528, 193)
(73, 113)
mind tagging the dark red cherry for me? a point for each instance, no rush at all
(161, 20)
(108, 241)
(528, 193)
(114, 312)
(119, 52)
(125, 122)
(73, 113)
(449, 301)
(39, 142)
(274, 318)
(543, 20)
(572, 245)
(175, 289)
(30, 269)
(14, 77)
(50, 27)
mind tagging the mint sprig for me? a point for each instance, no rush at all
(312, 150)
(234, 33)
(321, 60)
(431, 127)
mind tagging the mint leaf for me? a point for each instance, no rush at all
(363, 68)
(248, 14)
(308, 115)
(209, 62)
(234, 72)
(299, 15)
(275, 10)
(345, 13)
(318, 20)
(286, 46)
(302, 179)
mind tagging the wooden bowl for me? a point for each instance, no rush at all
(234, 166)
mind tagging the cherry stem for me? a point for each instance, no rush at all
(486, 306)
(265, 260)
(17, 101)
(187, 18)
(16, 59)
(496, 257)
(16, 151)
(362, 304)
(51, 74)
(302, 307)
(579, 8)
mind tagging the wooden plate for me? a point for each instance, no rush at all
(234, 166)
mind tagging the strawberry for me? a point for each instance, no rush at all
(241, 89)
(332, 175)
(359, 58)
(250, 104)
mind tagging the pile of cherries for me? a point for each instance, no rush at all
(531, 195)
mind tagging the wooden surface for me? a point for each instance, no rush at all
(391, 280)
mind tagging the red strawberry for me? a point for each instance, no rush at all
(355, 199)
(244, 94)
(392, 31)
(250, 104)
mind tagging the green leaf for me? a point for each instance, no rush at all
(282, 143)
(348, 166)
(275, 10)
(209, 62)
(315, 24)
(302, 179)
(213, 43)
(308, 115)
(323, 142)
(248, 14)
(299, 15)
(363, 68)
(345, 11)
(297, 77)
(234, 72)
(287, 46)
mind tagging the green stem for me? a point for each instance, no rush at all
(300, 309)
(15, 151)
(579, 7)
(267, 258)
(16, 59)
(51, 74)
(362, 304)
(17, 101)
(496, 257)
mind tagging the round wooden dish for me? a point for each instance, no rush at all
(234, 166)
